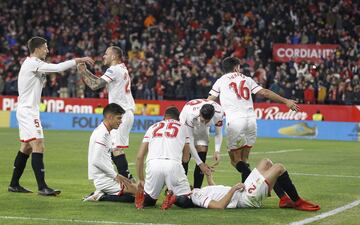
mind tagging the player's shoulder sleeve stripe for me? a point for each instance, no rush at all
(186, 123)
(203, 204)
(108, 77)
(100, 143)
(254, 87)
(215, 90)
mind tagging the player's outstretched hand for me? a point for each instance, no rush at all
(216, 158)
(86, 60)
(292, 105)
(205, 168)
(81, 67)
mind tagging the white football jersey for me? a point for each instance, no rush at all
(202, 197)
(234, 91)
(190, 114)
(166, 140)
(99, 154)
(32, 78)
(119, 86)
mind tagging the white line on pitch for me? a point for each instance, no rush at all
(269, 152)
(75, 220)
(327, 214)
(255, 153)
(324, 175)
(302, 174)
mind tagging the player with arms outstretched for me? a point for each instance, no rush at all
(31, 80)
(234, 91)
(119, 83)
(198, 115)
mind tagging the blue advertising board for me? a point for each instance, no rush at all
(319, 130)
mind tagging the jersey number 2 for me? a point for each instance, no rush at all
(241, 91)
(171, 131)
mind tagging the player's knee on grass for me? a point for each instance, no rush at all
(118, 198)
(149, 201)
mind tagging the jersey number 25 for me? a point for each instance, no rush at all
(171, 130)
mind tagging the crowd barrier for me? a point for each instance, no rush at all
(317, 130)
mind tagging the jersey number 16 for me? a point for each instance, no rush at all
(240, 90)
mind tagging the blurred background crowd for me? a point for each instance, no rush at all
(173, 49)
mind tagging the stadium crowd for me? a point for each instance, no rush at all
(174, 48)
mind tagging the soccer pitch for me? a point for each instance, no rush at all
(325, 172)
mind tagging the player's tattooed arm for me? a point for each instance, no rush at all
(90, 79)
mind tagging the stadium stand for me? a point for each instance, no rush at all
(174, 48)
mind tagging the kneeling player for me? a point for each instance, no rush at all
(250, 194)
(109, 185)
(165, 144)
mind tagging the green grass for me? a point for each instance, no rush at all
(66, 169)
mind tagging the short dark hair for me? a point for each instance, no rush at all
(114, 109)
(35, 42)
(118, 51)
(172, 112)
(229, 63)
(207, 111)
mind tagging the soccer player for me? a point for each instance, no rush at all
(253, 192)
(109, 185)
(250, 194)
(198, 115)
(31, 79)
(234, 91)
(166, 144)
(119, 83)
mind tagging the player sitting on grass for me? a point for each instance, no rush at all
(109, 185)
(250, 194)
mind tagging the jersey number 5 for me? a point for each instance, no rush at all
(171, 131)
(241, 91)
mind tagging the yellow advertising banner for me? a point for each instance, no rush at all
(147, 109)
(4, 118)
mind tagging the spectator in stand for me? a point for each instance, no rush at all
(168, 36)
(309, 94)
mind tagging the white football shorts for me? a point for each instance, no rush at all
(108, 186)
(241, 132)
(165, 171)
(201, 135)
(29, 124)
(256, 190)
(120, 136)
